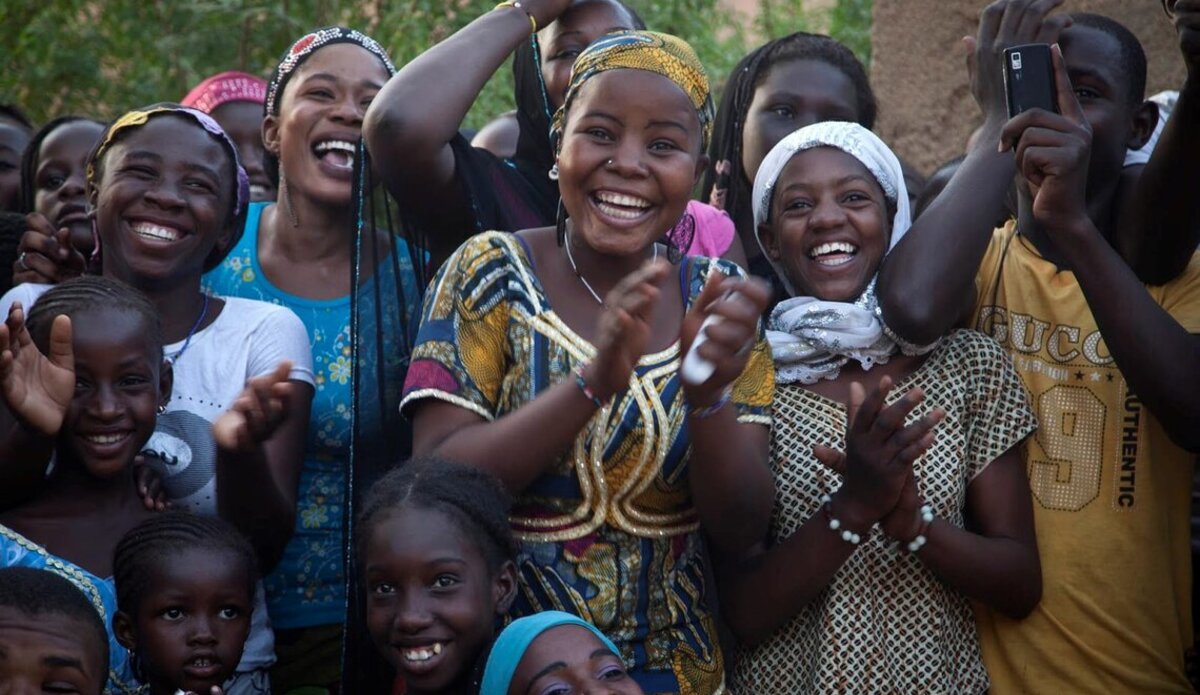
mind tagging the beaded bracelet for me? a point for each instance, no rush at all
(835, 525)
(516, 4)
(709, 411)
(922, 538)
(587, 390)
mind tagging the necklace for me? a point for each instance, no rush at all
(172, 359)
(587, 285)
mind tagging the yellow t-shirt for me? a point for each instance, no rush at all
(1111, 493)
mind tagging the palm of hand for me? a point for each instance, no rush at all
(39, 391)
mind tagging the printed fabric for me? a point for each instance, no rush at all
(609, 533)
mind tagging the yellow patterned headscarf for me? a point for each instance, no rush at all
(664, 54)
(139, 117)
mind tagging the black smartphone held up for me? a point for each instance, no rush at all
(1029, 78)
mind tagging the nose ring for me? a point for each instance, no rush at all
(608, 163)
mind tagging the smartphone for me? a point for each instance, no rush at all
(1029, 78)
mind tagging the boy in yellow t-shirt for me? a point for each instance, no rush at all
(1112, 365)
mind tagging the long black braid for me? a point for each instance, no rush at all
(473, 498)
(747, 75)
(158, 539)
(91, 293)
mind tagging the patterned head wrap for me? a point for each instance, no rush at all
(513, 642)
(139, 117)
(308, 44)
(811, 339)
(226, 87)
(651, 51)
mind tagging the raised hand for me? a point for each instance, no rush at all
(624, 329)
(1003, 24)
(1052, 154)
(46, 254)
(256, 414)
(37, 388)
(880, 451)
(738, 303)
(545, 11)
(148, 472)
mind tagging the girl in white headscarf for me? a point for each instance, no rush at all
(865, 581)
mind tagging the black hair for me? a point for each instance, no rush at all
(12, 227)
(936, 183)
(38, 592)
(474, 498)
(32, 154)
(14, 113)
(236, 219)
(90, 293)
(159, 538)
(747, 75)
(1132, 59)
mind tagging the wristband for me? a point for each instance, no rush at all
(835, 525)
(923, 530)
(587, 390)
(516, 4)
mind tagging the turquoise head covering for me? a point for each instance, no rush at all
(512, 643)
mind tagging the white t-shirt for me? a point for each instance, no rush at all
(247, 339)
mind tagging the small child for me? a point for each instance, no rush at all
(437, 556)
(555, 652)
(60, 237)
(51, 637)
(185, 591)
(85, 379)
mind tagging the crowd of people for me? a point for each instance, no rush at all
(303, 391)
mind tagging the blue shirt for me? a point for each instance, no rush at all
(307, 588)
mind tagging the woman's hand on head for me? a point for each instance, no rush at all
(738, 303)
(37, 388)
(545, 11)
(1004, 24)
(256, 413)
(880, 451)
(46, 254)
(624, 329)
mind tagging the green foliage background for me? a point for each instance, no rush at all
(100, 58)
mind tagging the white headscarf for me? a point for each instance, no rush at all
(810, 338)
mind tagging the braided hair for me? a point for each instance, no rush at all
(473, 498)
(33, 153)
(157, 539)
(747, 75)
(37, 592)
(91, 293)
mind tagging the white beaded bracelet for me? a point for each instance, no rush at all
(834, 525)
(926, 519)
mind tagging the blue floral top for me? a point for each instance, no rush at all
(307, 588)
(18, 551)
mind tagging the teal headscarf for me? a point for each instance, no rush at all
(512, 643)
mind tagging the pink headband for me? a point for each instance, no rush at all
(224, 88)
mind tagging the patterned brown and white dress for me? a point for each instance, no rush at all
(885, 623)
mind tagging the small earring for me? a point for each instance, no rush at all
(162, 408)
(608, 163)
(553, 174)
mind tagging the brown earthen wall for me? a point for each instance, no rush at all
(918, 71)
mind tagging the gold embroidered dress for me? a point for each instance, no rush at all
(609, 532)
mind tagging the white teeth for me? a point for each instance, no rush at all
(833, 247)
(621, 199)
(257, 191)
(154, 231)
(422, 653)
(105, 438)
(323, 147)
